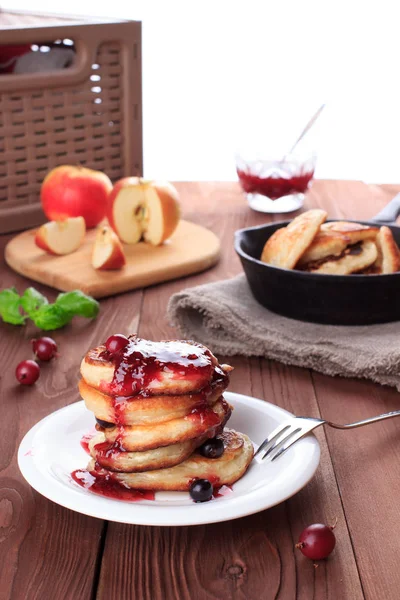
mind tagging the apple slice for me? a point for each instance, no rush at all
(107, 251)
(162, 212)
(125, 209)
(61, 237)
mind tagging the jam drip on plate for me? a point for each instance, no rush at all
(106, 485)
(142, 361)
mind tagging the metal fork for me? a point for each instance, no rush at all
(291, 431)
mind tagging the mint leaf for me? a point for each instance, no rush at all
(50, 316)
(77, 303)
(32, 300)
(9, 307)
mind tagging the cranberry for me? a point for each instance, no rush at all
(104, 424)
(44, 348)
(317, 541)
(201, 490)
(212, 448)
(116, 342)
(27, 372)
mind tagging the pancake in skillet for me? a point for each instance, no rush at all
(354, 231)
(388, 260)
(286, 245)
(325, 243)
(355, 258)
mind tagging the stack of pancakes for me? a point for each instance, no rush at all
(155, 404)
(334, 248)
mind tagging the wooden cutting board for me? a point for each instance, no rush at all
(191, 249)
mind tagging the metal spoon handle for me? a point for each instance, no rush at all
(306, 128)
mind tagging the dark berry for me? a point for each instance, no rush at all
(44, 348)
(316, 541)
(201, 490)
(104, 424)
(27, 372)
(212, 448)
(116, 342)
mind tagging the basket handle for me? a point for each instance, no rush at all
(80, 71)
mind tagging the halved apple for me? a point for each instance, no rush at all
(143, 209)
(61, 237)
(107, 250)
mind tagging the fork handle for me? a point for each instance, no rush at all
(389, 415)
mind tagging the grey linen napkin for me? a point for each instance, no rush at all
(225, 317)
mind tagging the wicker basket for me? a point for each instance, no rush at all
(88, 114)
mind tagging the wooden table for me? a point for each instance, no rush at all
(50, 553)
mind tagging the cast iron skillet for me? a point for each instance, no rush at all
(329, 299)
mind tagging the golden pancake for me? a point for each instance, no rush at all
(145, 437)
(151, 368)
(140, 410)
(354, 259)
(225, 470)
(286, 245)
(110, 456)
(388, 260)
(325, 243)
(355, 231)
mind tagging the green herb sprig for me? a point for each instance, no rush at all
(16, 309)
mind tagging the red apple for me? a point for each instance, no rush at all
(139, 208)
(107, 250)
(71, 191)
(61, 237)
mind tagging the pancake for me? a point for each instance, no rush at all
(149, 368)
(286, 245)
(388, 260)
(325, 243)
(354, 259)
(113, 458)
(140, 410)
(355, 231)
(145, 437)
(225, 470)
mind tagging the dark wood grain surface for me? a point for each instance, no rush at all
(48, 552)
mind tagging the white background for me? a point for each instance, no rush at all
(216, 68)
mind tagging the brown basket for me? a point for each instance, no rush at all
(88, 114)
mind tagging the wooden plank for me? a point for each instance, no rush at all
(366, 461)
(51, 552)
(247, 558)
(367, 466)
(46, 551)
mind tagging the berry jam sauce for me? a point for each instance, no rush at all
(107, 485)
(140, 364)
(107, 449)
(205, 417)
(86, 439)
(274, 187)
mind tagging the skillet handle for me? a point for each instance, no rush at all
(389, 214)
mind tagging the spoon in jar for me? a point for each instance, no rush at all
(305, 130)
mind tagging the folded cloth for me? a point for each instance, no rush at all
(226, 317)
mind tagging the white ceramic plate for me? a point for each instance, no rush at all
(51, 450)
